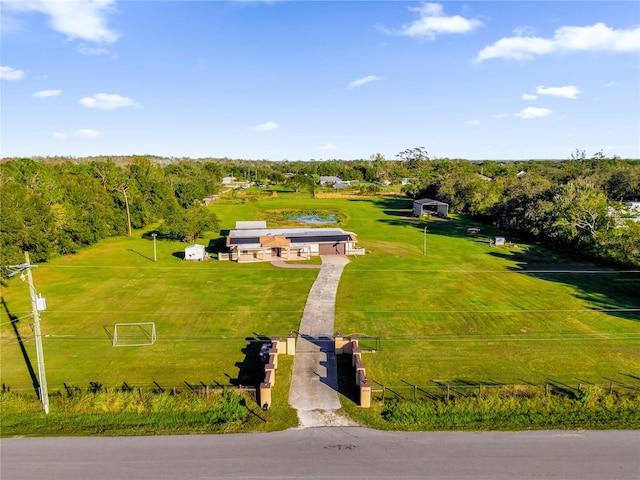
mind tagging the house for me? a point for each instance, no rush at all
(473, 230)
(329, 180)
(227, 180)
(195, 252)
(265, 244)
(441, 209)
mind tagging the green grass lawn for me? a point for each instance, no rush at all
(465, 311)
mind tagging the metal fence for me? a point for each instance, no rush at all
(447, 391)
(199, 389)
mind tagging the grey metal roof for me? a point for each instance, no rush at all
(249, 224)
(286, 232)
(428, 201)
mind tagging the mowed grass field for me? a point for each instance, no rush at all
(463, 312)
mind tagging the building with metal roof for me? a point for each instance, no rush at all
(426, 206)
(265, 244)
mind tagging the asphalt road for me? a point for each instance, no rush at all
(335, 452)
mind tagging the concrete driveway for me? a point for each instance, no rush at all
(314, 383)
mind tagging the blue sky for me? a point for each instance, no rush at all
(303, 80)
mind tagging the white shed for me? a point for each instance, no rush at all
(195, 252)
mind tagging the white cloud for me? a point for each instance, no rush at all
(524, 31)
(611, 84)
(10, 73)
(92, 51)
(47, 93)
(528, 96)
(533, 112)
(88, 133)
(107, 101)
(362, 81)
(83, 19)
(499, 115)
(266, 127)
(473, 123)
(329, 147)
(59, 135)
(594, 38)
(570, 91)
(433, 22)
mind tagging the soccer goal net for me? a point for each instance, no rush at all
(134, 334)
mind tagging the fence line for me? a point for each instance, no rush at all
(201, 389)
(448, 391)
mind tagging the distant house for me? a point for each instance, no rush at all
(329, 180)
(633, 205)
(265, 244)
(341, 185)
(227, 180)
(405, 181)
(423, 205)
(473, 230)
(195, 252)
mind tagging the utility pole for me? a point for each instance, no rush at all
(37, 304)
(154, 235)
(424, 248)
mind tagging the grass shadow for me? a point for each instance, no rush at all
(109, 332)
(251, 368)
(606, 289)
(14, 323)
(141, 254)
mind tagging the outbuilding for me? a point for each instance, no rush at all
(424, 205)
(195, 252)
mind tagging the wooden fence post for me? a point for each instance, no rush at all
(447, 392)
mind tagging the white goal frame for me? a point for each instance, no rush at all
(142, 331)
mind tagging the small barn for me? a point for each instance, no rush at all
(426, 206)
(499, 241)
(195, 252)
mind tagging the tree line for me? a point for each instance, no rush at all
(58, 205)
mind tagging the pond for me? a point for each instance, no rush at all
(315, 219)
